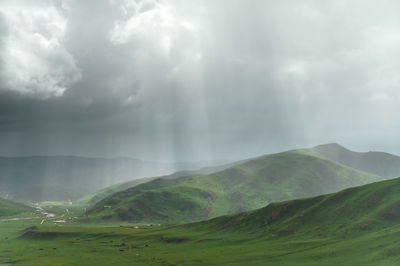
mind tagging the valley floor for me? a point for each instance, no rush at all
(29, 243)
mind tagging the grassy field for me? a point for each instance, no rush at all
(97, 245)
(250, 185)
(357, 226)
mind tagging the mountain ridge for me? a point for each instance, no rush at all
(379, 163)
(245, 186)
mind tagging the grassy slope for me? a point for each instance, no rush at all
(108, 191)
(378, 163)
(10, 208)
(357, 226)
(105, 192)
(349, 212)
(245, 186)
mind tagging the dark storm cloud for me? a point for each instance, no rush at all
(182, 80)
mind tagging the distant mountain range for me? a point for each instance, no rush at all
(69, 177)
(245, 186)
(63, 178)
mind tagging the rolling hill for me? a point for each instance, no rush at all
(246, 186)
(378, 163)
(108, 191)
(10, 208)
(40, 178)
(356, 226)
(351, 211)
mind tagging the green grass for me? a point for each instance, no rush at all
(243, 187)
(181, 246)
(10, 208)
(351, 211)
(357, 226)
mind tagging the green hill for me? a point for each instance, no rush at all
(10, 208)
(378, 163)
(356, 226)
(50, 178)
(108, 191)
(352, 211)
(245, 186)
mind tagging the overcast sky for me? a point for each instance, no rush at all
(197, 80)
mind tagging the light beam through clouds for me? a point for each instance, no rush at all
(197, 80)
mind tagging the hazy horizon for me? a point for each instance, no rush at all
(177, 81)
(203, 163)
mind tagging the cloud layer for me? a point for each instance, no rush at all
(193, 80)
(34, 60)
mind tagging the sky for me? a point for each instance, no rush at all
(197, 80)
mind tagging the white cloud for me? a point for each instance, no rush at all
(157, 24)
(34, 60)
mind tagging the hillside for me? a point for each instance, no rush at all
(108, 191)
(70, 177)
(378, 163)
(243, 187)
(10, 208)
(356, 226)
(348, 212)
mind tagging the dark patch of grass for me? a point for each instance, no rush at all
(32, 234)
